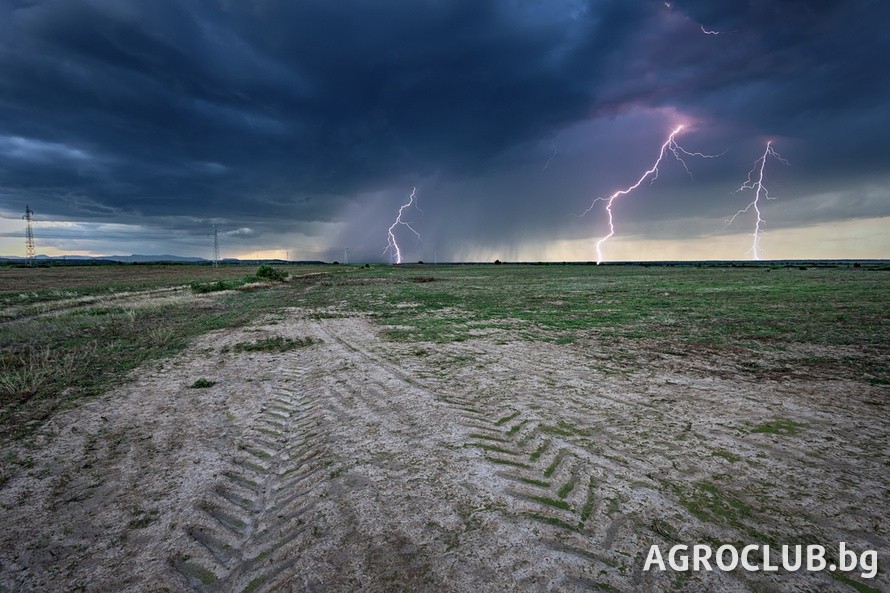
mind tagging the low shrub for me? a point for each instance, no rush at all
(267, 272)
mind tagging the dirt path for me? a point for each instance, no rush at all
(131, 299)
(488, 465)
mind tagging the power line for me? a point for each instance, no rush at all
(215, 245)
(29, 235)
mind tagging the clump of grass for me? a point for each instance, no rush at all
(731, 457)
(551, 469)
(506, 419)
(567, 488)
(193, 570)
(558, 504)
(536, 454)
(202, 384)
(142, 519)
(587, 509)
(534, 482)
(709, 503)
(267, 272)
(254, 584)
(24, 377)
(220, 285)
(274, 344)
(780, 426)
(561, 428)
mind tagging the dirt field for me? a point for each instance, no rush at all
(424, 431)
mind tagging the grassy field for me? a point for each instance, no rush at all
(750, 314)
(22, 285)
(75, 348)
(756, 311)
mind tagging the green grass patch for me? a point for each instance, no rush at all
(709, 503)
(562, 428)
(558, 504)
(536, 454)
(587, 509)
(551, 469)
(860, 587)
(501, 461)
(258, 453)
(254, 584)
(196, 571)
(202, 384)
(250, 484)
(506, 419)
(517, 427)
(534, 482)
(220, 285)
(731, 457)
(780, 426)
(267, 272)
(273, 344)
(567, 488)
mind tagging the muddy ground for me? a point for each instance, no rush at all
(492, 464)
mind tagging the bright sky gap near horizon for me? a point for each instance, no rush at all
(299, 128)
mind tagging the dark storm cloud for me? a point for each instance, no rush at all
(274, 112)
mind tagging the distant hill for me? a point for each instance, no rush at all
(141, 259)
(153, 258)
(134, 258)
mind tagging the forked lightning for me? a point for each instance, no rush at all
(391, 242)
(759, 190)
(669, 145)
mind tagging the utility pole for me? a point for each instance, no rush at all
(215, 246)
(29, 235)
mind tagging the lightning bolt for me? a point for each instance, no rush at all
(759, 190)
(669, 145)
(552, 156)
(670, 7)
(391, 242)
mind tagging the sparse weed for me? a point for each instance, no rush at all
(780, 426)
(274, 344)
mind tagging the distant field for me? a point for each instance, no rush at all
(98, 278)
(717, 311)
(409, 428)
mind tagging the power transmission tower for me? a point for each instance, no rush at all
(215, 246)
(29, 235)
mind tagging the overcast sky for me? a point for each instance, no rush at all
(302, 126)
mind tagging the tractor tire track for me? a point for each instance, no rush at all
(542, 477)
(251, 524)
